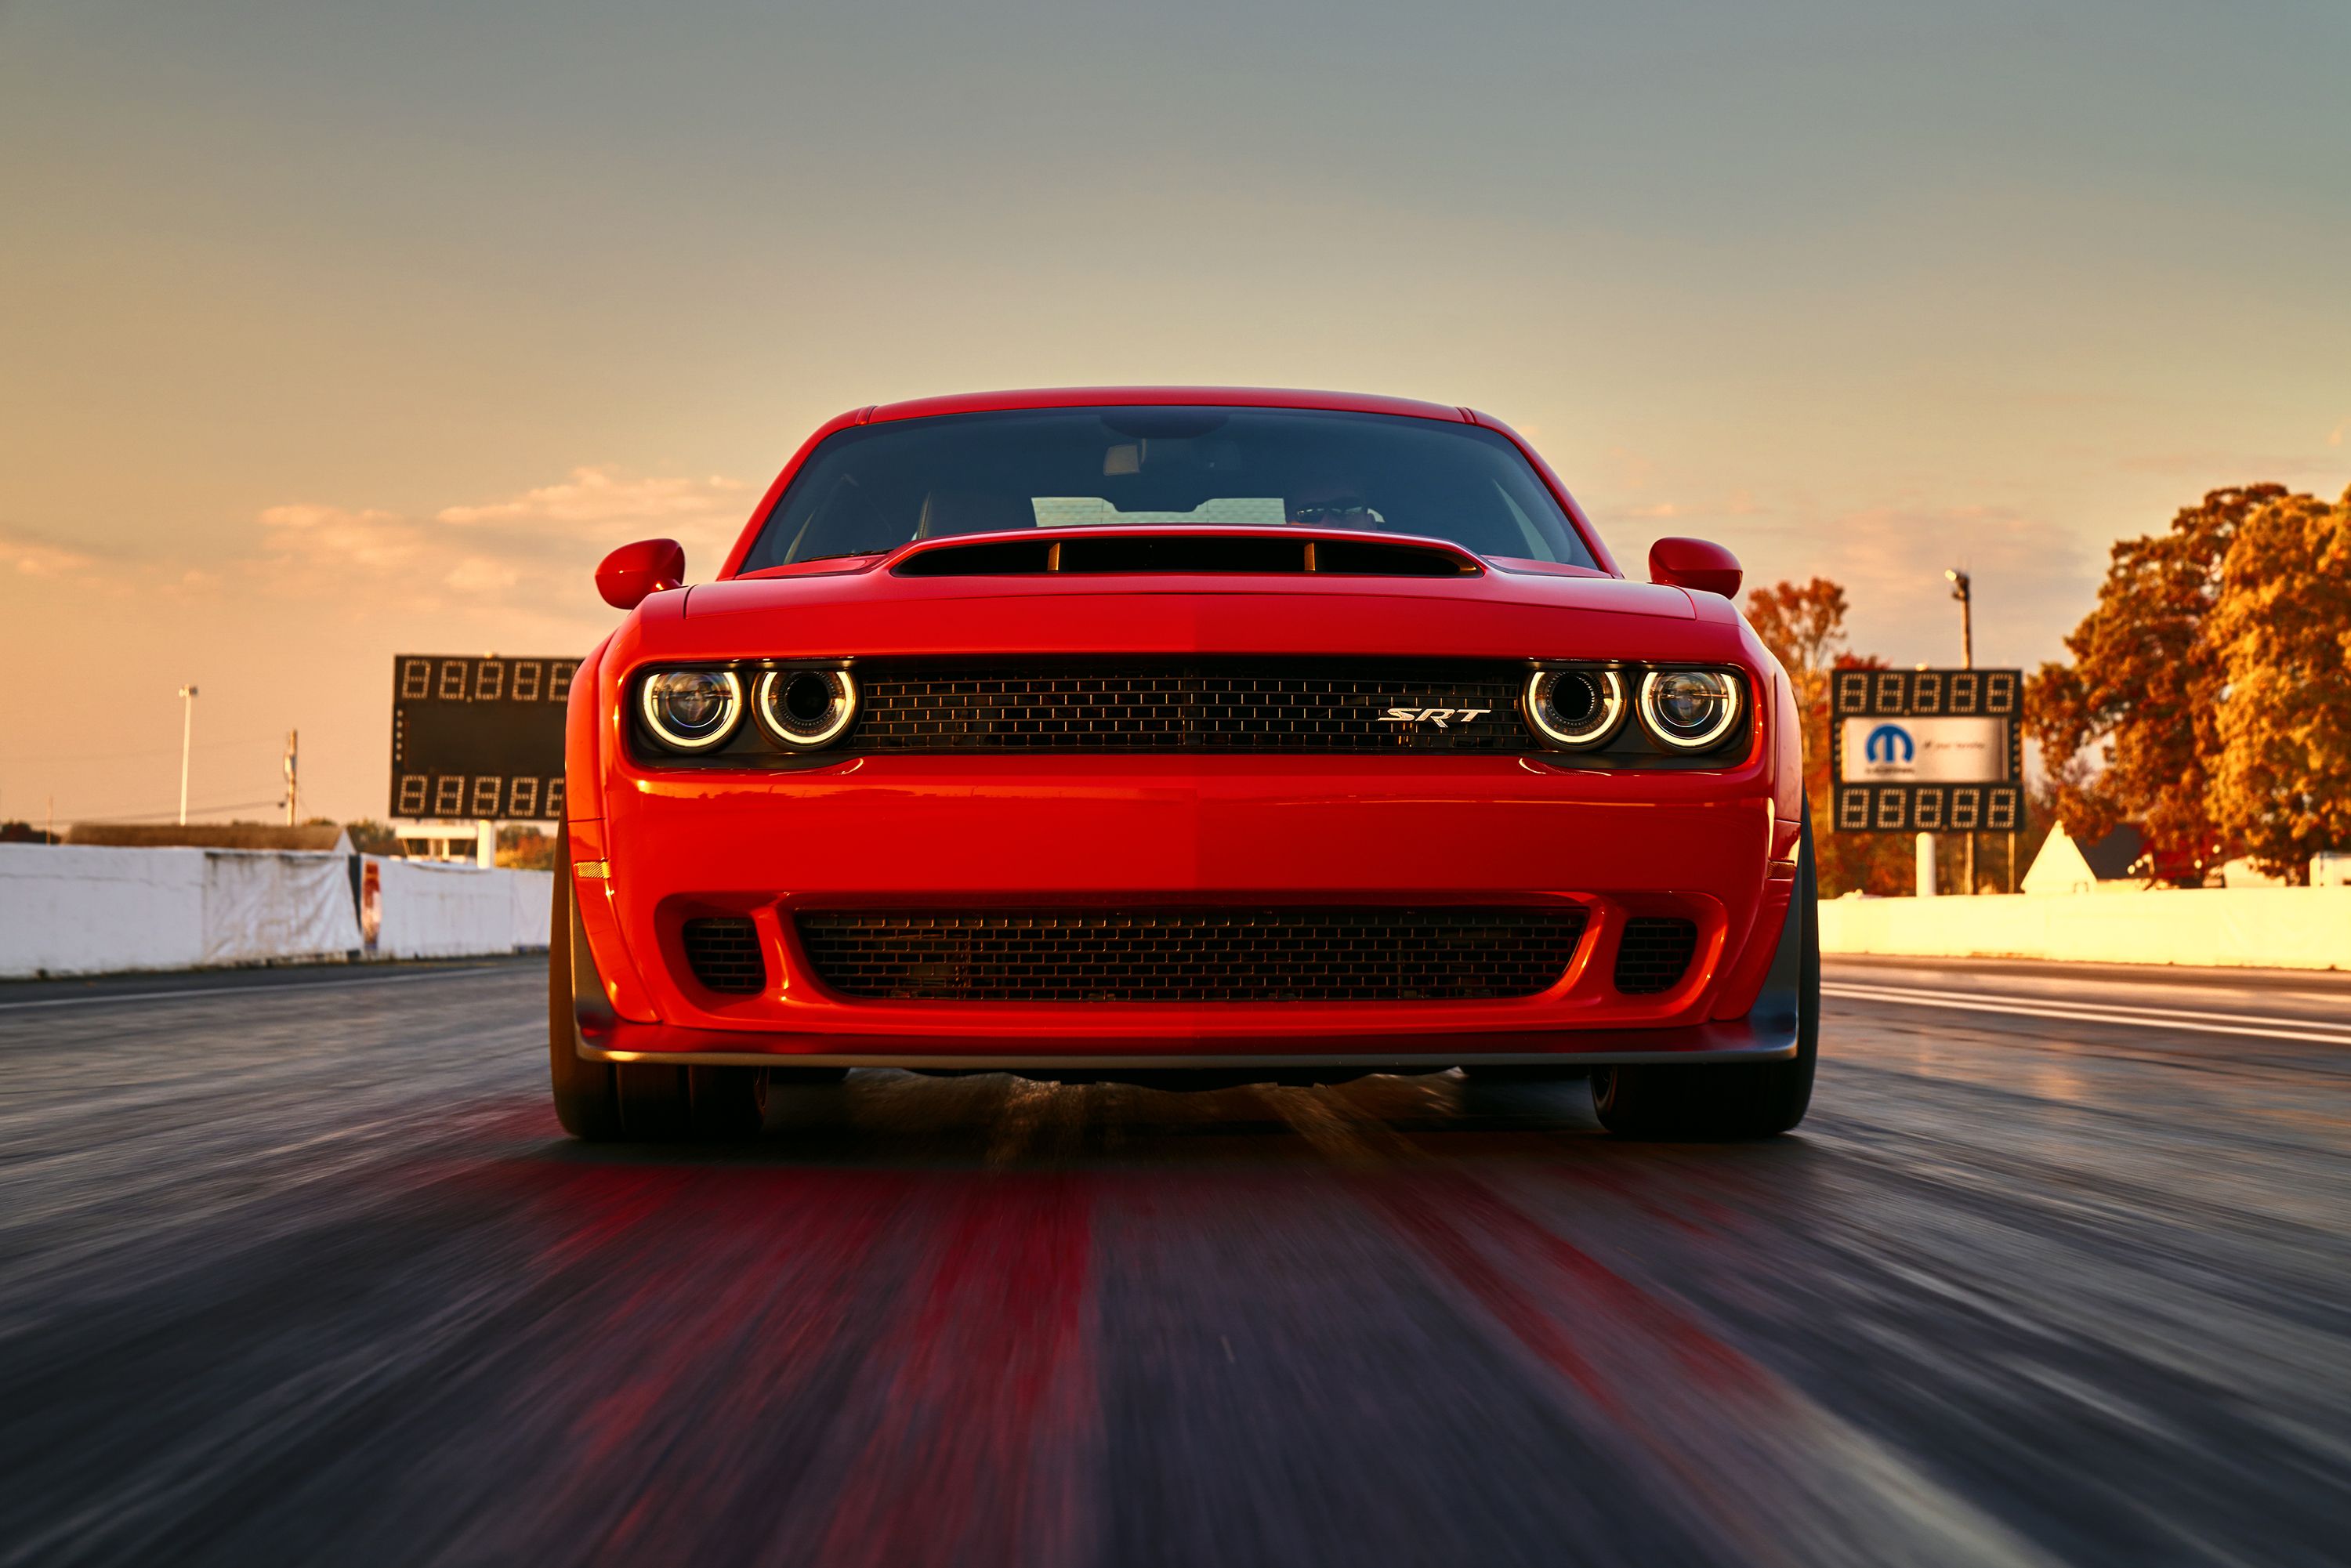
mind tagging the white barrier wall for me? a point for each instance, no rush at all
(82, 909)
(79, 910)
(433, 909)
(2232, 928)
(264, 905)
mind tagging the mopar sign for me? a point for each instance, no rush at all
(1923, 750)
(1926, 750)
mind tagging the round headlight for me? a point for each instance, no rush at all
(1688, 710)
(805, 710)
(1578, 709)
(692, 710)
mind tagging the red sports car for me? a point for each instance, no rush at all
(1187, 737)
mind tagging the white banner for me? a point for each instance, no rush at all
(1923, 750)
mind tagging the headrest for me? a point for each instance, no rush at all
(947, 513)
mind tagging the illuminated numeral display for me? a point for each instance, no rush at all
(1930, 808)
(1906, 693)
(478, 737)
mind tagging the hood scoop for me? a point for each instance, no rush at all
(1261, 551)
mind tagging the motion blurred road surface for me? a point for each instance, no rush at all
(296, 1268)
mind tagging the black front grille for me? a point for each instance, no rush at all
(1192, 955)
(1655, 954)
(1293, 706)
(725, 956)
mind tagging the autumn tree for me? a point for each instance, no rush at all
(2129, 727)
(2279, 638)
(525, 848)
(1804, 625)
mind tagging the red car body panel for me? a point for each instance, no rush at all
(653, 846)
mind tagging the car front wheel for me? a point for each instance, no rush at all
(603, 1102)
(1736, 1100)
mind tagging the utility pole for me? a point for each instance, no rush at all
(1962, 589)
(293, 782)
(187, 735)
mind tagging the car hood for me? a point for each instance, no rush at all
(866, 608)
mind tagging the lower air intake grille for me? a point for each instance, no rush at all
(725, 956)
(1192, 955)
(1655, 954)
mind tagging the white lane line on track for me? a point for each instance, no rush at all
(2134, 1010)
(2102, 1012)
(293, 987)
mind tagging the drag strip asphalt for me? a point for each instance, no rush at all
(294, 1267)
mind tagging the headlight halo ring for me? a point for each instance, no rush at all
(649, 709)
(1730, 710)
(1535, 699)
(766, 697)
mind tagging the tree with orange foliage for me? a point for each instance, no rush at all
(2127, 730)
(1804, 625)
(2280, 638)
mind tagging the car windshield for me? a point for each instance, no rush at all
(873, 487)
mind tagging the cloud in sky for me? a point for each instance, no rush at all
(528, 553)
(27, 555)
(2029, 575)
(292, 620)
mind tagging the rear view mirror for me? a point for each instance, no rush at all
(1695, 564)
(633, 571)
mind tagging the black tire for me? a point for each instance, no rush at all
(1742, 1100)
(599, 1102)
(587, 1099)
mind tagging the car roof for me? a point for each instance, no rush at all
(1144, 397)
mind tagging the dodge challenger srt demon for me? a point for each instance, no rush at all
(1180, 735)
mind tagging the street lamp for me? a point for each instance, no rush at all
(187, 734)
(1961, 586)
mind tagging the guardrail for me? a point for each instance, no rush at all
(81, 909)
(2225, 927)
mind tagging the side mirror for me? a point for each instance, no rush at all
(1695, 564)
(633, 571)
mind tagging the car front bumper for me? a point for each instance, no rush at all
(1090, 831)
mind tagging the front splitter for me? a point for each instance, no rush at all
(1736, 1040)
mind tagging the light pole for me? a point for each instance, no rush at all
(187, 735)
(1962, 590)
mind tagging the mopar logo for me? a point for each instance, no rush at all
(1884, 739)
(1442, 717)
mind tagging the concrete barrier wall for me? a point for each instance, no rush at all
(2233, 928)
(79, 909)
(434, 910)
(261, 905)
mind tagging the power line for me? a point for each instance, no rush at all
(174, 811)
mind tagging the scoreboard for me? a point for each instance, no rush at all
(1927, 751)
(475, 737)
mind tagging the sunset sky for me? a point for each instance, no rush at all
(337, 329)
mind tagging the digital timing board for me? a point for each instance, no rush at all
(1927, 751)
(478, 737)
